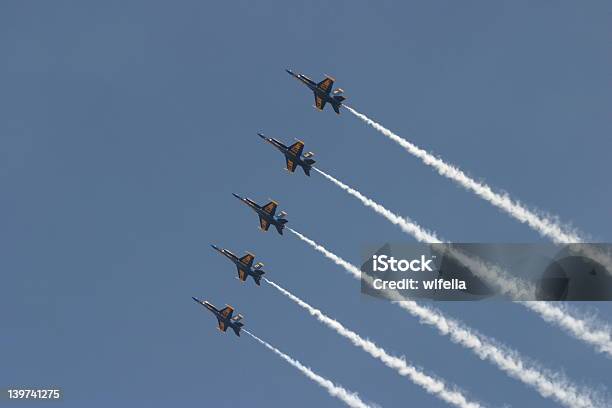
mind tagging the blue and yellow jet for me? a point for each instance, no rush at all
(293, 154)
(224, 316)
(245, 265)
(266, 214)
(322, 91)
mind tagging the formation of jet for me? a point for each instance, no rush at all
(245, 265)
(322, 91)
(293, 154)
(224, 316)
(266, 214)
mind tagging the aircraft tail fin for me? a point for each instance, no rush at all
(308, 166)
(280, 225)
(236, 327)
(257, 277)
(338, 102)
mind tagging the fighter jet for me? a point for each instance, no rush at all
(224, 316)
(245, 265)
(266, 214)
(293, 154)
(322, 91)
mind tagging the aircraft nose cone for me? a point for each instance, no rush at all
(214, 247)
(237, 196)
(196, 299)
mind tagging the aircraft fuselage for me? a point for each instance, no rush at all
(289, 154)
(228, 254)
(227, 321)
(323, 94)
(254, 271)
(271, 219)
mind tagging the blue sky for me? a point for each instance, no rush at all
(126, 126)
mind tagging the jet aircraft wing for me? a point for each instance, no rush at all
(326, 84)
(247, 259)
(291, 165)
(297, 148)
(222, 326)
(242, 275)
(227, 312)
(319, 102)
(263, 224)
(270, 208)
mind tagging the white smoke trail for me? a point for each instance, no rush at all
(591, 331)
(405, 224)
(547, 384)
(432, 385)
(349, 398)
(544, 224)
(588, 329)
